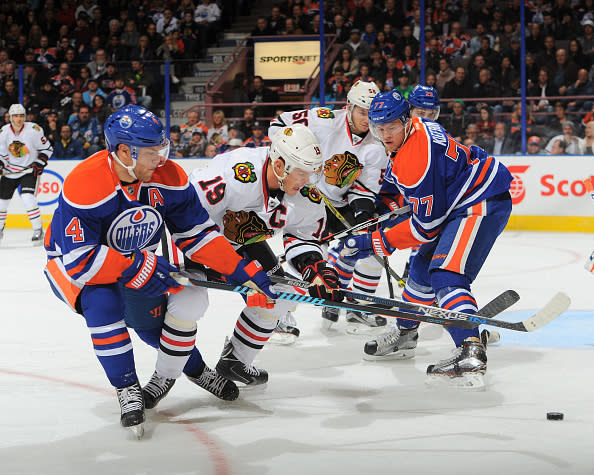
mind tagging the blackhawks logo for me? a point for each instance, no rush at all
(244, 172)
(325, 113)
(312, 193)
(342, 169)
(245, 227)
(18, 149)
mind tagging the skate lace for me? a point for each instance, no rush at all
(251, 370)
(157, 386)
(456, 352)
(388, 338)
(130, 398)
(213, 381)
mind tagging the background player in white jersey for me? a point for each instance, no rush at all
(24, 152)
(460, 203)
(354, 163)
(253, 194)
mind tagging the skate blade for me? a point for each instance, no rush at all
(281, 338)
(327, 324)
(137, 430)
(469, 381)
(395, 356)
(353, 328)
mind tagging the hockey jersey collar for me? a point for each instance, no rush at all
(271, 199)
(354, 138)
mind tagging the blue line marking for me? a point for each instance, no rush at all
(573, 329)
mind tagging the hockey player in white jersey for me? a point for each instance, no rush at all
(354, 163)
(253, 194)
(24, 152)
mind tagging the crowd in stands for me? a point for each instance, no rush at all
(84, 59)
(98, 56)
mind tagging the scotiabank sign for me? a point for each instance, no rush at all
(550, 186)
(285, 59)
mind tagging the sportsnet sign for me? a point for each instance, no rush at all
(285, 59)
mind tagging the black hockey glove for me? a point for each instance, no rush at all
(324, 281)
(39, 164)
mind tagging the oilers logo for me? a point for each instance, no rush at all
(125, 121)
(134, 228)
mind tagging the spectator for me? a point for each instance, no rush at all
(515, 122)
(543, 89)
(176, 149)
(377, 67)
(573, 144)
(245, 125)
(405, 39)
(391, 15)
(82, 33)
(471, 136)
(98, 64)
(588, 142)
(276, 20)
(210, 151)
(10, 95)
(46, 97)
(197, 145)
(107, 80)
(587, 40)
(458, 120)
(460, 86)
(588, 117)
(45, 54)
(69, 105)
(514, 53)
(408, 62)
(533, 145)
(444, 75)
(52, 127)
(486, 123)
(433, 56)
(155, 39)
(170, 51)
(361, 50)
(576, 54)
(364, 74)
(555, 124)
(141, 82)
(370, 34)
(262, 28)
(81, 83)
(485, 88)
(93, 90)
(564, 73)
(300, 19)
(66, 146)
(583, 86)
(87, 130)
(239, 93)
(392, 74)
(499, 143)
(404, 87)
(340, 29)
(207, 15)
(492, 57)
(192, 125)
(257, 138)
(219, 126)
(348, 63)
(100, 110)
(384, 48)
(547, 56)
(63, 73)
(121, 95)
(168, 23)
(367, 14)
(557, 147)
(475, 43)
(455, 45)
(260, 93)
(534, 41)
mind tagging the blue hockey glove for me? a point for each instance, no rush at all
(247, 271)
(324, 281)
(365, 245)
(149, 273)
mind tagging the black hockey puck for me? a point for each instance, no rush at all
(554, 416)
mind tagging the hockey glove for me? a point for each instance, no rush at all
(149, 273)
(365, 245)
(39, 164)
(251, 272)
(324, 281)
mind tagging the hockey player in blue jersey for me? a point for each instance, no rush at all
(101, 261)
(460, 203)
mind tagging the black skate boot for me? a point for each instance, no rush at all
(395, 344)
(230, 367)
(37, 237)
(214, 383)
(329, 317)
(359, 323)
(286, 331)
(465, 367)
(132, 407)
(156, 389)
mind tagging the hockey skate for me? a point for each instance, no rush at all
(329, 317)
(132, 407)
(286, 331)
(214, 383)
(230, 367)
(465, 367)
(395, 344)
(490, 337)
(37, 237)
(155, 390)
(359, 323)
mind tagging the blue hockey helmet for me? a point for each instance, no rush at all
(425, 102)
(388, 115)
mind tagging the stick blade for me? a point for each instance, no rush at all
(553, 309)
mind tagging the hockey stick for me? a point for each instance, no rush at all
(554, 308)
(384, 264)
(366, 224)
(24, 170)
(499, 304)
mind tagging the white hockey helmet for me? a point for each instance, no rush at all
(298, 147)
(362, 93)
(16, 109)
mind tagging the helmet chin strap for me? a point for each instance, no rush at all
(407, 129)
(129, 168)
(278, 177)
